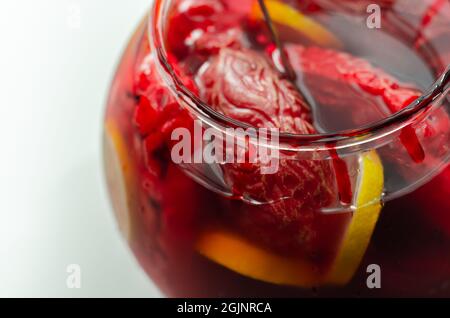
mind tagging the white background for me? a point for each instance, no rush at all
(55, 69)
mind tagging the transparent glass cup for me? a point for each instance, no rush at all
(270, 213)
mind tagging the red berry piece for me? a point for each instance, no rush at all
(242, 84)
(145, 117)
(190, 18)
(342, 84)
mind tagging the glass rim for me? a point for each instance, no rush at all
(364, 134)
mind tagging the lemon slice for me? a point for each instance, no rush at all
(284, 14)
(368, 208)
(238, 254)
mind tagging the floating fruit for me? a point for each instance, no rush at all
(243, 256)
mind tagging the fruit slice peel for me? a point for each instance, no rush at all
(119, 170)
(368, 208)
(238, 254)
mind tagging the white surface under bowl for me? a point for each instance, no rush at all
(57, 59)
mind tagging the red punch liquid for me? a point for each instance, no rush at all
(346, 77)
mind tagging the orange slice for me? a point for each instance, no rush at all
(238, 254)
(284, 14)
(119, 173)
